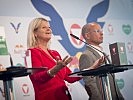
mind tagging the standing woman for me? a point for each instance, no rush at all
(48, 84)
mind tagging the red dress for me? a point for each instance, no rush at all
(45, 86)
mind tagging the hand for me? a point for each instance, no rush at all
(98, 62)
(64, 62)
(2, 68)
(59, 65)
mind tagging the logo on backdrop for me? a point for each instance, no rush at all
(58, 27)
(25, 89)
(126, 29)
(130, 47)
(110, 29)
(18, 49)
(76, 30)
(120, 83)
(16, 28)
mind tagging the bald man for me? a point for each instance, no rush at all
(93, 35)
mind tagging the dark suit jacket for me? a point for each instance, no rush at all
(92, 84)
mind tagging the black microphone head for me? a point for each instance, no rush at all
(74, 36)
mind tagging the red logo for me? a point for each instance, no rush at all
(110, 28)
(25, 88)
(130, 47)
(76, 30)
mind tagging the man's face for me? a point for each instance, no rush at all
(95, 35)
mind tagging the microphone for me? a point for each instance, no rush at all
(106, 57)
(76, 37)
(87, 43)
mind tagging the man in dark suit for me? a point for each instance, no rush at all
(93, 35)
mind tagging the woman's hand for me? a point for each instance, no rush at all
(2, 68)
(64, 62)
(59, 65)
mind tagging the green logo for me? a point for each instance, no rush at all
(126, 29)
(3, 46)
(19, 64)
(120, 83)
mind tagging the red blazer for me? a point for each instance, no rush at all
(45, 86)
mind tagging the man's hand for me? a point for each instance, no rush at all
(97, 63)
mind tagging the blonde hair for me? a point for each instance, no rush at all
(33, 26)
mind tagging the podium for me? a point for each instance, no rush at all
(102, 72)
(15, 71)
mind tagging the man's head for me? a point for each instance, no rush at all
(92, 33)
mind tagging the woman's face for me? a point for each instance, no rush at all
(43, 33)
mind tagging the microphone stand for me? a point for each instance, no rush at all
(106, 85)
(8, 85)
(104, 77)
